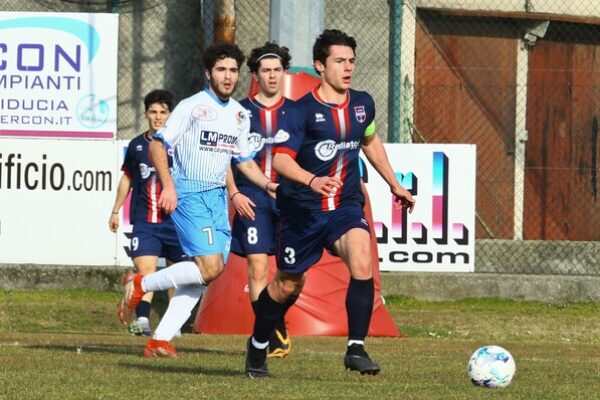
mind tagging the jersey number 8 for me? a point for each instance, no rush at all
(252, 235)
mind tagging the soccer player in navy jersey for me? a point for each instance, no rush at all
(320, 199)
(204, 133)
(256, 217)
(153, 233)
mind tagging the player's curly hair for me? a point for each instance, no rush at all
(220, 51)
(328, 38)
(159, 96)
(269, 50)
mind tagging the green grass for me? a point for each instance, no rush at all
(68, 345)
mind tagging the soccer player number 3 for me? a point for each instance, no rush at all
(290, 257)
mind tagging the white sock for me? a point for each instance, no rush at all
(178, 274)
(180, 307)
(259, 345)
(351, 342)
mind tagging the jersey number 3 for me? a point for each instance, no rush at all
(290, 255)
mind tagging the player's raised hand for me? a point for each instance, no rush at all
(243, 205)
(325, 185)
(403, 199)
(168, 199)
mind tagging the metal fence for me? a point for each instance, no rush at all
(518, 78)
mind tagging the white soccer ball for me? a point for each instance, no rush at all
(491, 367)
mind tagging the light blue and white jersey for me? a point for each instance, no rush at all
(204, 133)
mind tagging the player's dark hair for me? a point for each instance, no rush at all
(328, 38)
(159, 96)
(269, 50)
(220, 51)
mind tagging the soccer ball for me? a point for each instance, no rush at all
(491, 367)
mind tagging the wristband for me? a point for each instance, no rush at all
(267, 186)
(115, 212)
(233, 195)
(311, 180)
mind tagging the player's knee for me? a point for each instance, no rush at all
(361, 268)
(210, 269)
(145, 267)
(287, 286)
(258, 274)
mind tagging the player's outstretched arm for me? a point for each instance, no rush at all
(375, 152)
(286, 166)
(122, 192)
(242, 204)
(168, 196)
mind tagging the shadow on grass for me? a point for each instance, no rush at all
(123, 349)
(177, 369)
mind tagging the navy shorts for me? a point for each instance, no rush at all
(258, 236)
(303, 236)
(156, 240)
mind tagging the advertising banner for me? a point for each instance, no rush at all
(440, 234)
(58, 75)
(55, 200)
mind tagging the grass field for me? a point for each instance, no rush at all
(68, 345)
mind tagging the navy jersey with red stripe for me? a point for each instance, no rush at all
(146, 186)
(325, 140)
(264, 125)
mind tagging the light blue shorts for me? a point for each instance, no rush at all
(202, 223)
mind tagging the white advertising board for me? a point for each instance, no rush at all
(55, 199)
(440, 233)
(58, 75)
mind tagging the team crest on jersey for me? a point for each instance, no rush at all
(241, 117)
(204, 113)
(360, 113)
(319, 117)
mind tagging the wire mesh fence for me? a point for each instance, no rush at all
(518, 78)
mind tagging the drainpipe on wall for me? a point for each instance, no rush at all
(395, 72)
(224, 21)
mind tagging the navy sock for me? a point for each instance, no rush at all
(359, 307)
(143, 309)
(280, 325)
(289, 302)
(253, 304)
(268, 312)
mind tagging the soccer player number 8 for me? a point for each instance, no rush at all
(252, 235)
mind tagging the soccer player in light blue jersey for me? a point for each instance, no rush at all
(321, 202)
(204, 132)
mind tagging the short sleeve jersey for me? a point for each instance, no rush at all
(325, 140)
(204, 133)
(264, 135)
(146, 186)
